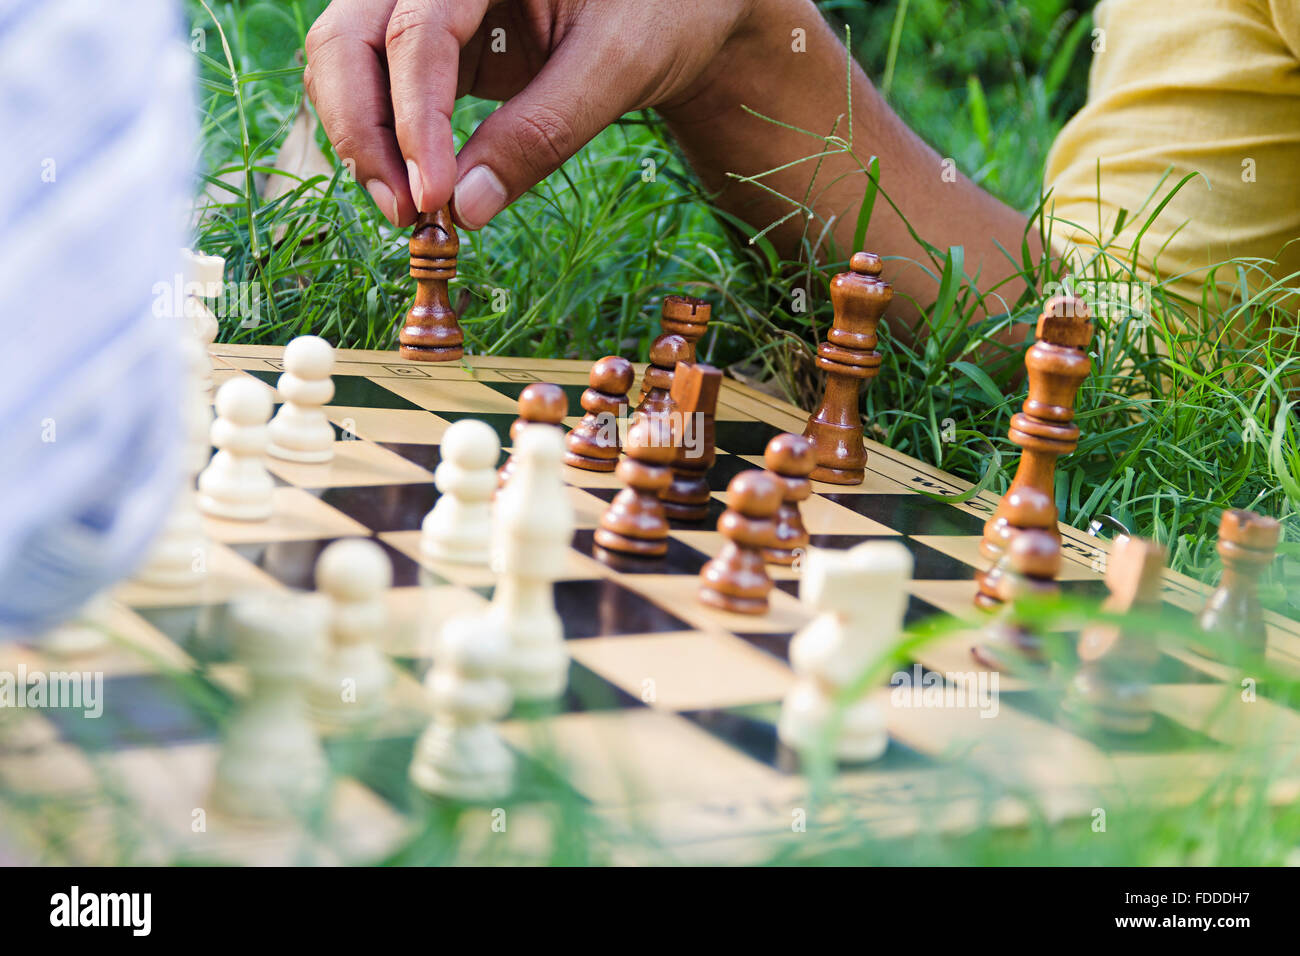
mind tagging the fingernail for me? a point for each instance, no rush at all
(417, 184)
(384, 199)
(479, 196)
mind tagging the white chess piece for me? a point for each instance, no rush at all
(272, 765)
(300, 431)
(205, 275)
(86, 633)
(460, 755)
(532, 530)
(860, 596)
(178, 555)
(354, 674)
(459, 526)
(236, 483)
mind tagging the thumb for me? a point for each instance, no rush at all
(534, 132)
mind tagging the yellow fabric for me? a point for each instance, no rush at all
(1208, 86)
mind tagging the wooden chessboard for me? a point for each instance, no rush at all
(667, 730)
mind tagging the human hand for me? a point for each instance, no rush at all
(384, 76)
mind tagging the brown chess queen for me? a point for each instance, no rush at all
(848, 357)
(431, 332)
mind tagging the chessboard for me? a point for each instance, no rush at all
(666, 734)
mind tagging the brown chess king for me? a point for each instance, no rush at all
(848, 357)
(431, 332)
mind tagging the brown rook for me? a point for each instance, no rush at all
(431, 332)
(848, 357)
(1247, 545)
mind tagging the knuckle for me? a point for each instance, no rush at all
(407, 18)
(545, 137)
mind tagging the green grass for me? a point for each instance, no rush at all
(1171, 435)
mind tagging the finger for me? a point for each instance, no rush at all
(535, 132)
(423, 44)
(345, 80)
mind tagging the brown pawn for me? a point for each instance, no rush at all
(1057, 365)
(686, 316)
(593, 445)
(1037, 513)
(656, 386)
(848, 357)
(736, 579)
(539, 404)
(432, 332)
(1112, 687)
(1028, 569)
(695, 405)
(1247, 545)
(634, 523)
(791, 458)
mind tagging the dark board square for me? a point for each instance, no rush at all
(201, 630)
(911, 514)
(514, 389)
(1165, 736)
(724, 468)
(752, 730)
(604, 608)
(680, 559)
(143, 710)
(427, 457)
(293, 563)
(383, 507)
(354, 390)
(744, 438)
(928, 564)
(586, 692)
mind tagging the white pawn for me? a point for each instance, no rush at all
(205, 277)
(860, 596)
(272, 765)
(351, 681)
(460, 755)
(236, 483)
(459, 526)
(531, 533)
(300, 431)
(177, 559)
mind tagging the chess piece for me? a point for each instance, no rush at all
(272, 766)
(1043, 561)
(1028, 569)
(176, 559)
(686, 316)
(694, 400)
(432, 332)
(532, 531)
(1112, 688)
(1247, 545)
(539, 404)
(460, 755)
(354, 674)
(848, 357)
(634, 522)
(1057, 364)
(860, 597)
(86, 633)
(300, 431)
(236, 483)
(459, 526)
(791, 458)
(594, 445)
(736, 579)
(657, 383)
(205, 276)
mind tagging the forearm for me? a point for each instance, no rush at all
(761, 69)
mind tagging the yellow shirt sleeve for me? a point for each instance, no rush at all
(1210, 87)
